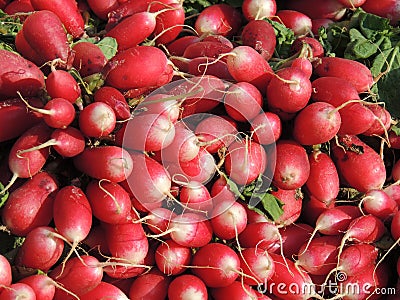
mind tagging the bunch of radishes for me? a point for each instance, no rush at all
(151, 159)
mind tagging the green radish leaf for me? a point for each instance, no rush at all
(3, 197)
(395, 129)
(271, 206)
(232, 186)
(109, 46)
(284, 39)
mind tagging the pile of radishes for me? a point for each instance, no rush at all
(158, 156)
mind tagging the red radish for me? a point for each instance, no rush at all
(396, 171)
(345, 68)
(210, 49)
(79, 276)
(219, 39)
(44, 32)
(41, 249)
(169, 23)
(40, 190)
(109, 201)
(156, 71)
(96, 240)
(221, 192)
(228, 219)
(238, 290)
(222, 134)
(243, 101)
(89, 59)
(67, 142)
(190, 230)
(290, 83)
(127, 241)
(199, 66)
(104, 290)
(262, 235)
(320, 23)
(172, 258)
(158, 219)
(312, 208)
(332, 9)
(256, 265)
(307, 46)
(289, 280)
(394, 140)
(303, 64)
(323, 182)
(220, 19)
(266, 128)
(43, 286)
(382, 121)
(293, 237)
(379, 204)
(152, 132)
(102, 8)
(68, 13)
(127, 8)
(115, 99)
(13, 111)
(386, 9)
(216, 264)
(352, 3)
(152, 285)
(395, 226)
(321, 254)
(18, 6)
(258, 9)
(160, 104)
(316, 124)
(26, 50)
(122, 270)
(18, 290)
(187, 286)
(195, 196)
(5, 274)
(299, 22)
(353, 155)
(97, 120)
(245, 161)
(105, 162)
(29, 83)
(61, 84)
(356, 118)
(292, 166)
(260, 35)
(292, 205)
(246, 64)
(153, 185)
(177, 47)
(70, 202)
(393, 191)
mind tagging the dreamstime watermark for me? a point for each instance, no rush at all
(337, 286)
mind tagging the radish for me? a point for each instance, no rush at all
(104, 290)
(61, 84)
(12, 111)
(262, 235)
(160, 104)
(190, 230)
(299, 22)
(158, 219)
(352, 3)
(382, 121)
(29, 83)
(237, 290)
(393, 191)
(89, 59)
(105, 162)
(290, 83)
(293, 237)
(96, 240)
(379, 204)
(386, 9)
(332, 9)
(320, 23)
(243, 101)
(40, 190)
(115, 99)
(292, 166)
(257, 266)
(109, 201)
(351, 154)
(321, 254)
(199, 66)
(258, 9)
(220, 19)
(245, 161)
(187, 286)
(97, 120)
(177, 47)
(204, 48)
(312, 208)
(316, 124)
(18, 290)
(216, 264)
(266, 128)
(102, 8)
(222, 134)
(152, 285)
(259, 35)
(345, 68)
(303, 64)
(172, 258)
(221, 192)
(41, 250)
(292, 205)
(19, 6)
(307, 47)
(5, 274)
(80, 275)
(195, 196)
(127, 241)
(43, 286)
(323, 181)
(246, 64)
(67, 11)
(228, 219)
